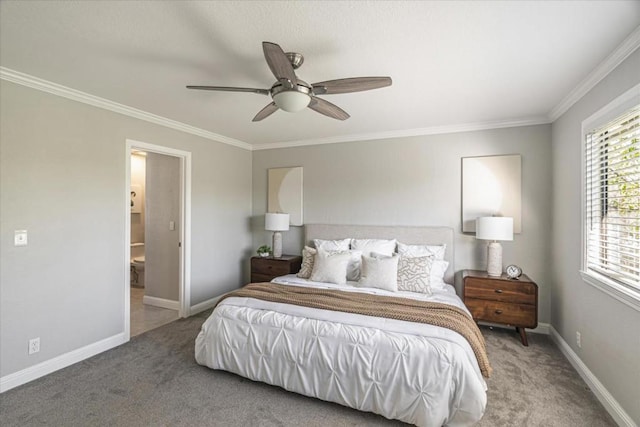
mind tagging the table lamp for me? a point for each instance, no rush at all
(276, 222)
(494, 228)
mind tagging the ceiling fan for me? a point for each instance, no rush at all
(291, 94)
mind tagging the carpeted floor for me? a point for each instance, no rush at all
(154, 381)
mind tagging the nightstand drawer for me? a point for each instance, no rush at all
(522, 315)
(266, 269)
(269, 267)
(500, 290)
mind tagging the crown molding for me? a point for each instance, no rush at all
(434, 130)
(76, 95)
(626, 48)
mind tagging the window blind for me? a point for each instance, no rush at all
(612, 202)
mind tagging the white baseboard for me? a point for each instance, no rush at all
(161, 302)
(608, 401)
(204, 305)
(543, 328)
(48, 366)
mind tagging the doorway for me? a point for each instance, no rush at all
(157, 236)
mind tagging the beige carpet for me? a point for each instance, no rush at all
(536, 385)
(154, 381)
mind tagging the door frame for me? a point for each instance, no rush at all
(184, 293)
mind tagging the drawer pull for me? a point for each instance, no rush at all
(498, 311)
(498, 291)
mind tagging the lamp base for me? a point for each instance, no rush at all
(277, 244)
(494, 259)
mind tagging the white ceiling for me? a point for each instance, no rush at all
(454, 65)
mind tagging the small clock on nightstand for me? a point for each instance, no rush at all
(513, 272)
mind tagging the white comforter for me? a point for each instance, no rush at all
(421, 374)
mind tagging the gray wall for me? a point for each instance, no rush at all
(610, 330)
(162, 254)
(62, 177)
(417, 181)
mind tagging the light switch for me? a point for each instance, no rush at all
(172, 225)
(20, 238)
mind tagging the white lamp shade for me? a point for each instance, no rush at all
(291, 101)
(276, 222)
(494, 228)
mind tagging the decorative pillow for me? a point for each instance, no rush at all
(332, 245)
(414, 274)
(308, 255)
(385, 247)
(330, 267)
(437, 251)
(436, 278)
(379, 273)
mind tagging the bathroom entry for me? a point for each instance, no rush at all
(138, 184)
(162, 230)
(157, 204)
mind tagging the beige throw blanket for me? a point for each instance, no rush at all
(407, 309)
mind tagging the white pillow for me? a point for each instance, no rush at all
(381, 273)
(308, 256)
(437, 251)
(354, 266)
(414, 274)
(384, 247)
(330, 267)
(332, 245)
(436, 277)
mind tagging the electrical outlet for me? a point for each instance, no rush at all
(34, 345)
(20, 238)
(578, 340)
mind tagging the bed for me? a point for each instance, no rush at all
(414, 372)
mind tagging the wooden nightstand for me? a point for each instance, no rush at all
(501, 300)
(264, 269)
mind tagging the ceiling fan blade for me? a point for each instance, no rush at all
(266, 112)
(328, 109)
(279, 63)
(231, 89)
(353, 84)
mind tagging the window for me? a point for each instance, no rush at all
(612, 201)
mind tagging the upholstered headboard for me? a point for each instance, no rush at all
(404, 234)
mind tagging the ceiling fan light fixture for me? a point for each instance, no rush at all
(291, 100)
(291, 94)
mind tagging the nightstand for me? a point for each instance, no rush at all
(264, 269)
(501, 300)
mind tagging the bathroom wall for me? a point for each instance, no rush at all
(162, 266)
(138, 172)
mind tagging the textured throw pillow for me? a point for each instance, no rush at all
(437, 251)
(414, 274)
(332, 245)
(385, 247)
(330, 267)
(381, 273)
(308, 255)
